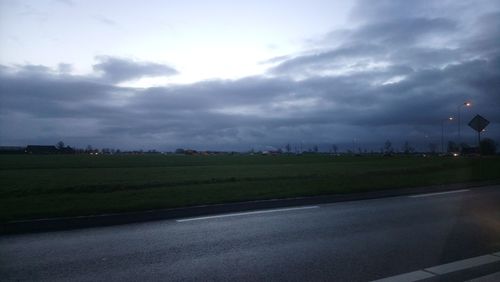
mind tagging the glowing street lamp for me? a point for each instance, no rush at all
(442, 132)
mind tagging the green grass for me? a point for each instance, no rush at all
(34, 186)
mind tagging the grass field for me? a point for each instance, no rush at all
(35, 186)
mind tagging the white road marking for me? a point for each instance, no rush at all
(246, 213)
(438, 193)
(443, 268)
(410, 276)
(462, 264)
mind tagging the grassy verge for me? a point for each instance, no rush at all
(52, 186)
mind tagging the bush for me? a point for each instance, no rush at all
(488, 146)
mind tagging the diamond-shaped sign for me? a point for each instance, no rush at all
(478, 123)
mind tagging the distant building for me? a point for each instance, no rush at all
(40, 149)
(12, 150)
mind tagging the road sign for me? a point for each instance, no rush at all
(478, 123)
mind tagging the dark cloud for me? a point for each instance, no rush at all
(243, 113)
(390, 77)
(367, 11)
(401, 41)
(26, 69)
(486, 36)
(330, 59)
(403, 31)
(115, 69)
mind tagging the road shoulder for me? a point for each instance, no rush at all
(68, 223)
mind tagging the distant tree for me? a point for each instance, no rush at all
(407, 148)
(288, 148)
(179, 151)
(60, 145)
(335, 148)
(89, 149)
(388, 147)
(315, 148)
(432, 148)
(488, 146)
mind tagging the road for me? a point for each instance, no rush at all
(349, 241)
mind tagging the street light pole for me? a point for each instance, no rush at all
(466, 104)
(442, 133)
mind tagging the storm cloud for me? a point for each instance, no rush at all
(399, 71)
(113, 69)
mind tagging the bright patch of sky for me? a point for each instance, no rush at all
(201, 39)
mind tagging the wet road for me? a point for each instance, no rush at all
(349, 241)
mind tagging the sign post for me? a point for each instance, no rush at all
(479, 123)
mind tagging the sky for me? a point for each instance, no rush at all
(236, 75)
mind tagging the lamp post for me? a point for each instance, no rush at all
(442, 132)
(465, 104)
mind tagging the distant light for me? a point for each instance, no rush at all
(467, 104)
(455, 154)
(450, 118)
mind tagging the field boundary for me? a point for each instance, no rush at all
(110, 219)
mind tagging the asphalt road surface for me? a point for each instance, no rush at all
(349, 241)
